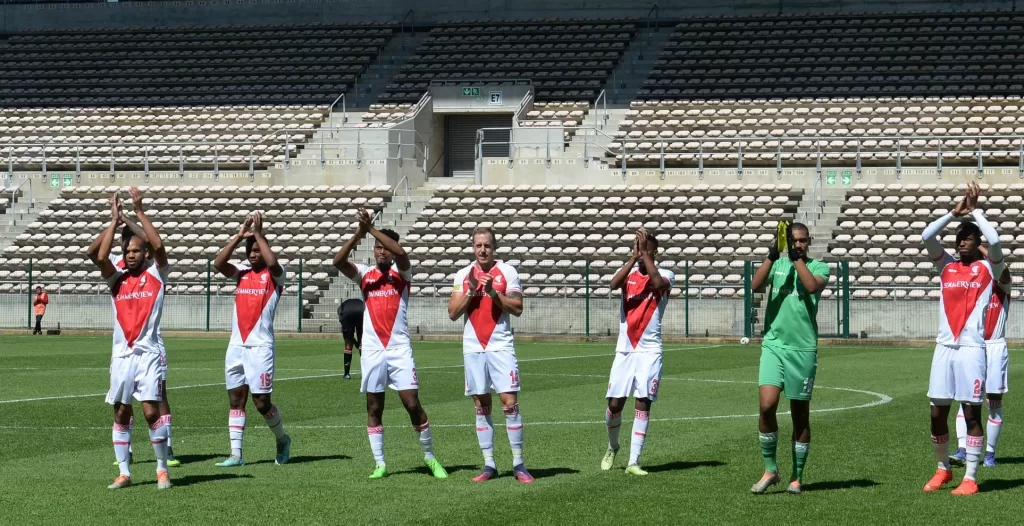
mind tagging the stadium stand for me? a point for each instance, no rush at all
(879, 234)
(552, 233)
(303, 222)
(838, 83)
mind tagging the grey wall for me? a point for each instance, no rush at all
(258, 12)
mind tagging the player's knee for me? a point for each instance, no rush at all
(262, 403)
(151, 411)
(616, 405)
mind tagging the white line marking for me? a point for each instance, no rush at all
(316, 376)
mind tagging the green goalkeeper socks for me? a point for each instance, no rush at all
(769, 444)
(800, 451)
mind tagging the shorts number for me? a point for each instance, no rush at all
(654, 386)
(266, 380)
(415, 379)
(515, 377)
(977, 388)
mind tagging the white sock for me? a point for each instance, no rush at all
(122, 439)
(273, 419)
(636, 446)
(169, 447)
(514, 427)
(131, 427)
(426, 441)
(158, 436)
(995, 424)
(377, 443)
(973, 456)
(236, 428)
(941, 445)
(485, 435)
(614, 423)
(961, 429)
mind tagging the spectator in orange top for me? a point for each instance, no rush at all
(39, 304)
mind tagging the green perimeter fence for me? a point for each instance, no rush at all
(863, 300)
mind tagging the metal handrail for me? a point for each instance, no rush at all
(394, 195)
(412, 26)
(522, 106)
(14, 191)
(602, 109)
(656, 11)
(344, 112)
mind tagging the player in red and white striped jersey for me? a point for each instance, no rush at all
(959, 363)
(484, 294)
(385, 352)
(249, 363)
(636, 370)
(138, 368)
(996, 373)
(128, 231)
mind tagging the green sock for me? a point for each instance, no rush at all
(769, 443)
(800, 451)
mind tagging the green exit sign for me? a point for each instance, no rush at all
(847, 177)
(830, 177)
(470, 92)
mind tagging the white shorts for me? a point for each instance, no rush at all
(394, 368)
(958, 374)
(491, 372)
(636, 374)
(998, 357)
(251, 366)
(140, 375)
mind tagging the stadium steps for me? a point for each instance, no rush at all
(17, 217)
(391, 58)
(821, 220)
(636, 64)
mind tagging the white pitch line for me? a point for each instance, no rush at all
(316, 376)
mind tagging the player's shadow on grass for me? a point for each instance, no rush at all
(302, 459)
(681, 465)
(838, 484)
(1000, 484)
(186, 459)
(188, 480)
(543, 473)
(423, 470)
(1010, 460)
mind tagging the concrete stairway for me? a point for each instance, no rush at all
(374, 80)
(641, 55)
(821, 219)
(17, 217)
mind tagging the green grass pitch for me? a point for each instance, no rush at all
(870, 453)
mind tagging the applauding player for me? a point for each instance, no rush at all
(249, 364)
(959, 363)
(138, 368)
(789, 351)
(385, 352)
(636, 369)
(485, 293)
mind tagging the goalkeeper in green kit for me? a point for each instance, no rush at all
(789, 352)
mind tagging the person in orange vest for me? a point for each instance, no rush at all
(39, 305)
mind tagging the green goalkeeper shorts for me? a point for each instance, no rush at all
(791, 371)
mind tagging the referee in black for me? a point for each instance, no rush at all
(350, 314)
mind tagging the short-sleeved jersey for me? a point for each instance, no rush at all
(386, 302)
(996, 313)
(791, 318)
(257, 294)
(138, 305)
(488, 327)
(640, 312)
(966, 291)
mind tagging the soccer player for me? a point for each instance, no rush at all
(789, 351)
(959, 362)
(484, 294)
(138, 368)
(996, 371)
(128, 231)
(249, 363)
(385, 357)
(39, 304)
(636, 369)
(350, 314)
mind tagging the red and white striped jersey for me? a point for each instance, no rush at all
(488, 327)
(995, 315)
(966, 291)
(640, 312)
(257, 294)
(386, 296)
(138, 305)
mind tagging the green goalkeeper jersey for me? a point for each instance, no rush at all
(791, 317)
